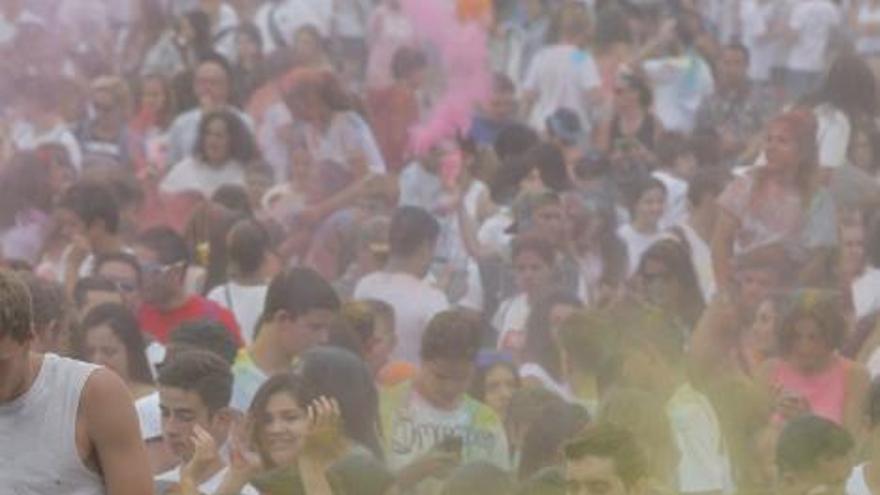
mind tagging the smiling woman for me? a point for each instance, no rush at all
(224, 150)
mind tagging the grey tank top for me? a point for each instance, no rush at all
(38, 453)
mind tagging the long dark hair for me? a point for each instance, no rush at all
(540, 346)
(242, 147)
(850, 86)
(341, 375)
(126, 328)
(282, 383)
(673, 255)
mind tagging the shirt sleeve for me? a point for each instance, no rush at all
(359, 140)
(589, 74)
(702, 465)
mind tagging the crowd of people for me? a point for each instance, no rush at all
(439, 247)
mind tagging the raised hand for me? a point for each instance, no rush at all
(324, 441)
(205, 456)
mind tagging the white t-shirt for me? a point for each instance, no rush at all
(680, 84)
(701, 260)
(561, 75)
(417, 426)
(813, 21)
(510, 321)
(866, 292)
(764, 53)
(245, 302)
(414, 301)
(636, 244)
(192, 175)
(868, 44)
(676, 198)
(224, 33)
(856, 484)
(833, 133)
(283, 19)
(704, 465)
(149, 416)
(25, 138)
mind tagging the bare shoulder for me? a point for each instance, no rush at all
(107, 404)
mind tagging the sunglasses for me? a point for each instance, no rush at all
(153, 268)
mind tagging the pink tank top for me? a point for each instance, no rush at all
(825, 391)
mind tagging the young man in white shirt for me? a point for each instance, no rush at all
(562, 75)
(810, 30)
(194, 391)
(412, 240)
(431, 423)
(650, 356)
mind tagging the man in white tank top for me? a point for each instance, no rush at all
(66, 426)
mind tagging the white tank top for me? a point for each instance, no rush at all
(38, 452)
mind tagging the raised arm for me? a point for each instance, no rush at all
(112, 427)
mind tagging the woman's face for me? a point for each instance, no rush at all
(649, 208)
(216, 142)
(153, 97)
(763, 331)
(104, 348)
(782, 148)
(499, 388)
(809, 348)
(660, 285)
(532, 272)
(285, 427)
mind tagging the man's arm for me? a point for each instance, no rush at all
(112, 427)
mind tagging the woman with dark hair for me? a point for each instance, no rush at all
(340, 375)
(632, 129)
(206, 236)
(183, 44)
(534, 259)
(810, 376)
(294, 443)
(110, 336)
(542, 357)
(666, 278)
(223, 152)
(846, 101)
(495, 381)
(598, 251)
(779, 213)
(647, 203)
